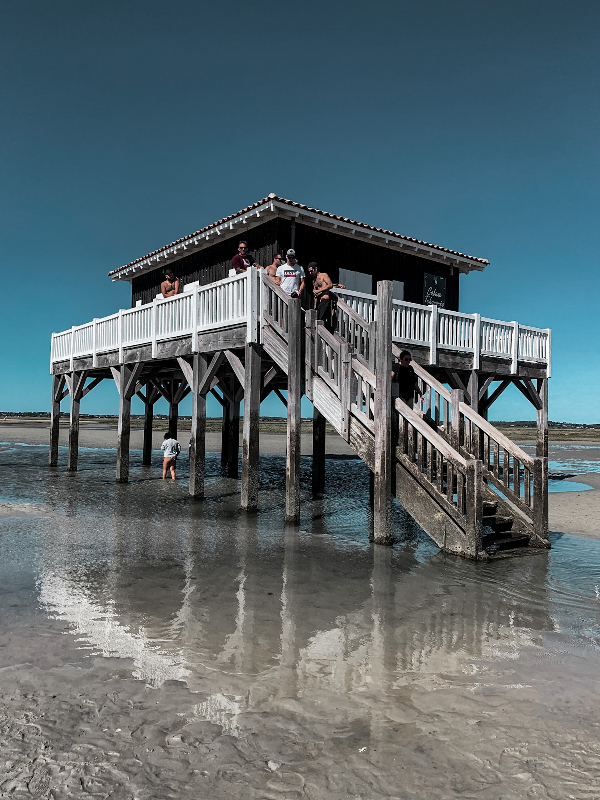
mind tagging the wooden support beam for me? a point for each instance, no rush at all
(76, 382)
(90, 386)
(134, 373)
(294, 397)
(173, 419)
(528, 389)
(496, 394)
(250, 439)
(456, 382)
(281, 397)
(225, 434)
(187, 369)
(318, 456)
(237, 366)
(483, 387)
(122, 378)
(541, 447)
(270, 375)
(217, 396)
(214, 365)
(58, 383)
(382, 522)
(148, 425)
(198, 434)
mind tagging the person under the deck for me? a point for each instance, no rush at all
(171, 449)
(242, 259)
(290, 276)
(271, 270)
(406, 378)
(170, 285)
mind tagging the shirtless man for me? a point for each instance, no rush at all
(322, 285)
(170, 285)
(272, 268)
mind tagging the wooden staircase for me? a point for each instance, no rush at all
(472, 490)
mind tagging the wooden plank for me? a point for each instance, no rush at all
(205, 386)
(541, 448)
(276, 348)
(199, 368)
(382, 525)
(292, 472)
(327, 403)
(186, 368)
(250, 444)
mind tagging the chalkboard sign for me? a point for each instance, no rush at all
(434, 290)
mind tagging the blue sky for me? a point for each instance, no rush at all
(125, 125)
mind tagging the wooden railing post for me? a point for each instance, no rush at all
(474, 508)
(433, 333)
(382, 523)
(345, 380)
(292, 471)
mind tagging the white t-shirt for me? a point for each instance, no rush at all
(290, 277)
(171, 447)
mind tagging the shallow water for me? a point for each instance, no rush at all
(153, 646)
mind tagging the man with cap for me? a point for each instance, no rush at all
(290, 276)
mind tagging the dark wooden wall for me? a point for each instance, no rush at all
(329, 249)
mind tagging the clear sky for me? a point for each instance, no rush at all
(472, 125)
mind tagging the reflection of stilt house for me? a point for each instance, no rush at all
(242, 337)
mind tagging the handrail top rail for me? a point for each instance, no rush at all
(364, 372)
(330, 338)
(354, 314)
(270, 284)
(432, 436)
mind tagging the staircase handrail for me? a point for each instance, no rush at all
(472, 415)
(432, 436)
(364, 347)
(270, 283)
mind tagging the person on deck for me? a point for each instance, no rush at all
(171, 449)
(406, 378)
(271, 270)
(290, 276)
(242, 259)
(170, 285)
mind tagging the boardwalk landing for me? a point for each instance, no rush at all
(471, 489)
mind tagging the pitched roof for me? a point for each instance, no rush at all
(272, 205)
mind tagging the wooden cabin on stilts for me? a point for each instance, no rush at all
(240, 337)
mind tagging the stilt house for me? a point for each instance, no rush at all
(240, 337)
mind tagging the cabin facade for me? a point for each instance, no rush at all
(353, 253)
(472, 490)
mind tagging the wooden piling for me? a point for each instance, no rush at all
(123, 427)
(58, 383)
(233, 440)
(250, 438)
(318, 456)
(152, 395)
(73, 453)
(173, 418)
(382, 523)
(198, 434)
(541, 446)
(294, 389)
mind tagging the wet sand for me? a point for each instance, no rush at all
(153, 647)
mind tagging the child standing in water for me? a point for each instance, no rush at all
(171, 448)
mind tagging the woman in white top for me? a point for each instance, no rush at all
(171, 449)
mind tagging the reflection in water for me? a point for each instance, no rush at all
(303, 635)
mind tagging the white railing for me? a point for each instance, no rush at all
(412, 324)
(237, 300)
(201, 308)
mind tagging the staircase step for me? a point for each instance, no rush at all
(492, 545)
(498, 523)
(489, 507)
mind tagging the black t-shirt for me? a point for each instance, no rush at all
(407, 381)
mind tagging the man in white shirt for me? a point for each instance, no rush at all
(290, 276)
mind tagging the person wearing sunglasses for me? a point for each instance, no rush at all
(242, 259)
(290, 276)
